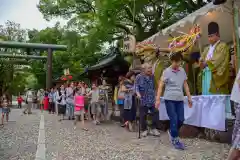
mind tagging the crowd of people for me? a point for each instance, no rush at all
(134, 92)
(74, 101)
(138, 91)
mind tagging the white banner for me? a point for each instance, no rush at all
(207, 111)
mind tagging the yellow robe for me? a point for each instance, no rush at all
(219, 66)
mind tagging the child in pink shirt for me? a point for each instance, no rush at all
(79, 110)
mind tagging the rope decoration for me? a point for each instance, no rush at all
(141, 48)
(185, 42)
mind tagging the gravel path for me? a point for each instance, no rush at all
(18, 138)
(111, 142)
(18, 141)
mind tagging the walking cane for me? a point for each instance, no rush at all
(138, 117)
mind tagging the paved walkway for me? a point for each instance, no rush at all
(21, 138)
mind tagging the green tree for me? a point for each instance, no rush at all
(11, 77)
(76, 58)
(108, 20)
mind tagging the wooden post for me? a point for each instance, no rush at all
(236, 32)
(49, 69)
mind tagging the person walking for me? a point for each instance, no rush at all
(45, 100)
(51, 107)
(5, 108)
(70, 101)
(55, 100)
(79, 106)
(35, 101)
(29, 102)
(120, 99)
(234, 153)
(103, 99)
(129, 101)
(174, 79)
(145, 91)
(95, 105)
(86, 103)
(19, 100)
(61, 100)
(40, 98)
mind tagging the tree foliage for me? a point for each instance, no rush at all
(107, 20)
(91, 24)
(12, 80)
(76, 58)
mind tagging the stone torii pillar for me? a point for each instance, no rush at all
(49, 69)
(50, 48)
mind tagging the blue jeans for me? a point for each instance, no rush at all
(175, 111)
(70, 110)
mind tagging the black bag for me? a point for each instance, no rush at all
(59, 101)
(60, 95)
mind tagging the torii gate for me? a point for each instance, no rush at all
(33, 47)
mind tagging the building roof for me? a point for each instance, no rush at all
(106, 61)
(113, 57)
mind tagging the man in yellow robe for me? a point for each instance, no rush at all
(215, 64)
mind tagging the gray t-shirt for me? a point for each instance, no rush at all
(174, 80)
(95, 95)
(69, 94)
(29, 96)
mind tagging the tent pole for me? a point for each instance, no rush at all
(234, 41)
(235, 18)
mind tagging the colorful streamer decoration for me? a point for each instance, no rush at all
(185, 42)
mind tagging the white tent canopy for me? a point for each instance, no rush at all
(159, 39)
(222, 14)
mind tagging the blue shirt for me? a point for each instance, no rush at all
(51, 96)
(145, 86)
(54, 96)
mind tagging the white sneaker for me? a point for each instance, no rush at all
(145, 133)
(154, 132)
(130, 127)
(169, 136)
(97, 122)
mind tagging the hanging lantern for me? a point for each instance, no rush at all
(63, 78)
(70, 77)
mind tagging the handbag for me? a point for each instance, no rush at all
(121, 95)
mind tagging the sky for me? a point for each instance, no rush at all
(25, 13)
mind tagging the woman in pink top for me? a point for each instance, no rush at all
(79, 107)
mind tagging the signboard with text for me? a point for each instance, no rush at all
(129, 44)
